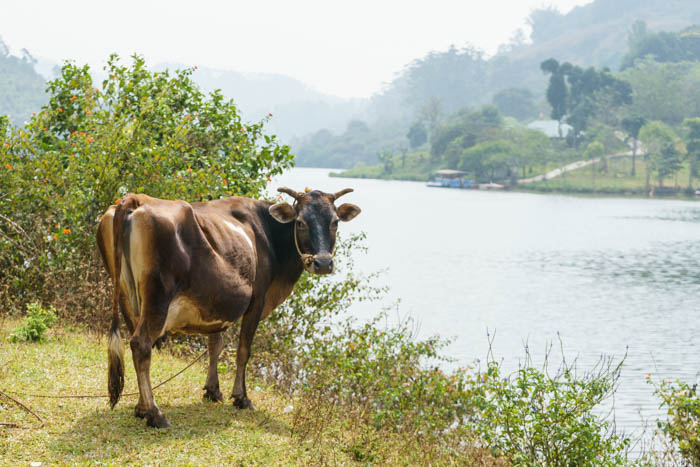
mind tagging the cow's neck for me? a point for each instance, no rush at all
(286, 255)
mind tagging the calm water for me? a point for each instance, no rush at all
(605, 273)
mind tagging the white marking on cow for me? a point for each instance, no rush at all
(184, 312)
(239, 230)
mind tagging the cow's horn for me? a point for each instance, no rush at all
(342, 192)
(290, 192)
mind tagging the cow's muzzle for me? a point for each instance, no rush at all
(322, 264)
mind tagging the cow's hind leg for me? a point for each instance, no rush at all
(211, 387)
(149, 328)
(248, 326)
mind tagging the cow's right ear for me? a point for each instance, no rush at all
(283, 212)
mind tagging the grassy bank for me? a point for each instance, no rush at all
(616, 180)
(86, 431)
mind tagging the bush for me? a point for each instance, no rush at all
(38, 320)
(138, 132)
(682, 424)
(538, 418)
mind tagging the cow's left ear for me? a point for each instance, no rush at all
(283, 212)
(347, 212)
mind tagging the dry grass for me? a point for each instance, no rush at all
(86, 431)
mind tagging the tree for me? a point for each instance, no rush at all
(594, 150)
(668, 92)
(556, 91)
(417, 135)
(431, 112)
(664, 150)
(692, 145)
(632, 125)
(578, 94)
(515, 102)
(387, 158)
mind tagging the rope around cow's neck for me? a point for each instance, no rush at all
(306, 258)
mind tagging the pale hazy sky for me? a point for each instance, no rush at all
(346, 48)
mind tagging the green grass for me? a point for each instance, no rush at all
(416, 167)
(86, 431)
(617, 180)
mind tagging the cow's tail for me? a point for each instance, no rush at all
(115, 348)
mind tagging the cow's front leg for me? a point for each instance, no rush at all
(245, 341)
(147, 407)
(211, 387)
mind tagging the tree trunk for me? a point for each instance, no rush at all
(690, 175)
(634, 155)
(647, 181)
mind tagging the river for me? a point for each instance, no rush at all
(608, 275)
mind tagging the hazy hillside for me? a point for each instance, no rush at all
(432, 87)
(591, 35)
(296, 108)
(21, 88)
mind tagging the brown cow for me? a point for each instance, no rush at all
(198, 268)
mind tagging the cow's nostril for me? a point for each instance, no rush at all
(323, 264)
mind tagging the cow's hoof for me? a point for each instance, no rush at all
(213, 396)
(157, 420)
(139, 412)
(243, 403)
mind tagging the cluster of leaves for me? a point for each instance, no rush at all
(538, 418)
(33, 326)
(577, 94)
(683, 423)
(359, 143)
(663, 46)
(487, 146)
(139, 131)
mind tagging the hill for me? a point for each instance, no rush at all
(297, 109)
(21, 88)
(431, 88)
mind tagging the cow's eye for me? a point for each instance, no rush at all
(301, 225)
(334, 224)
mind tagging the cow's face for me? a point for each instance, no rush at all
(316, 219)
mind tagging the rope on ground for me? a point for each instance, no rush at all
(97, 396)
(27, 409)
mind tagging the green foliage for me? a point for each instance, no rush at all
(515, 102)
(663, 46)
(417, 135)
(358, 144)
(138, 132)
(38, 320)
(578, 94)
(593, 150)
(472, 126)
(538, 418)
(664, 149)
(453, 77)
(668, 92)
(681, 426)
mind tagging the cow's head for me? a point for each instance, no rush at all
(315, 218)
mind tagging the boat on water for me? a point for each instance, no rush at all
(447, 178)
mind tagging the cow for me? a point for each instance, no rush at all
(179, 267)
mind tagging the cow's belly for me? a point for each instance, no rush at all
(187, 316)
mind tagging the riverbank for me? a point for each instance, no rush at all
(615, 180)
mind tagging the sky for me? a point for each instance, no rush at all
(347, 49)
